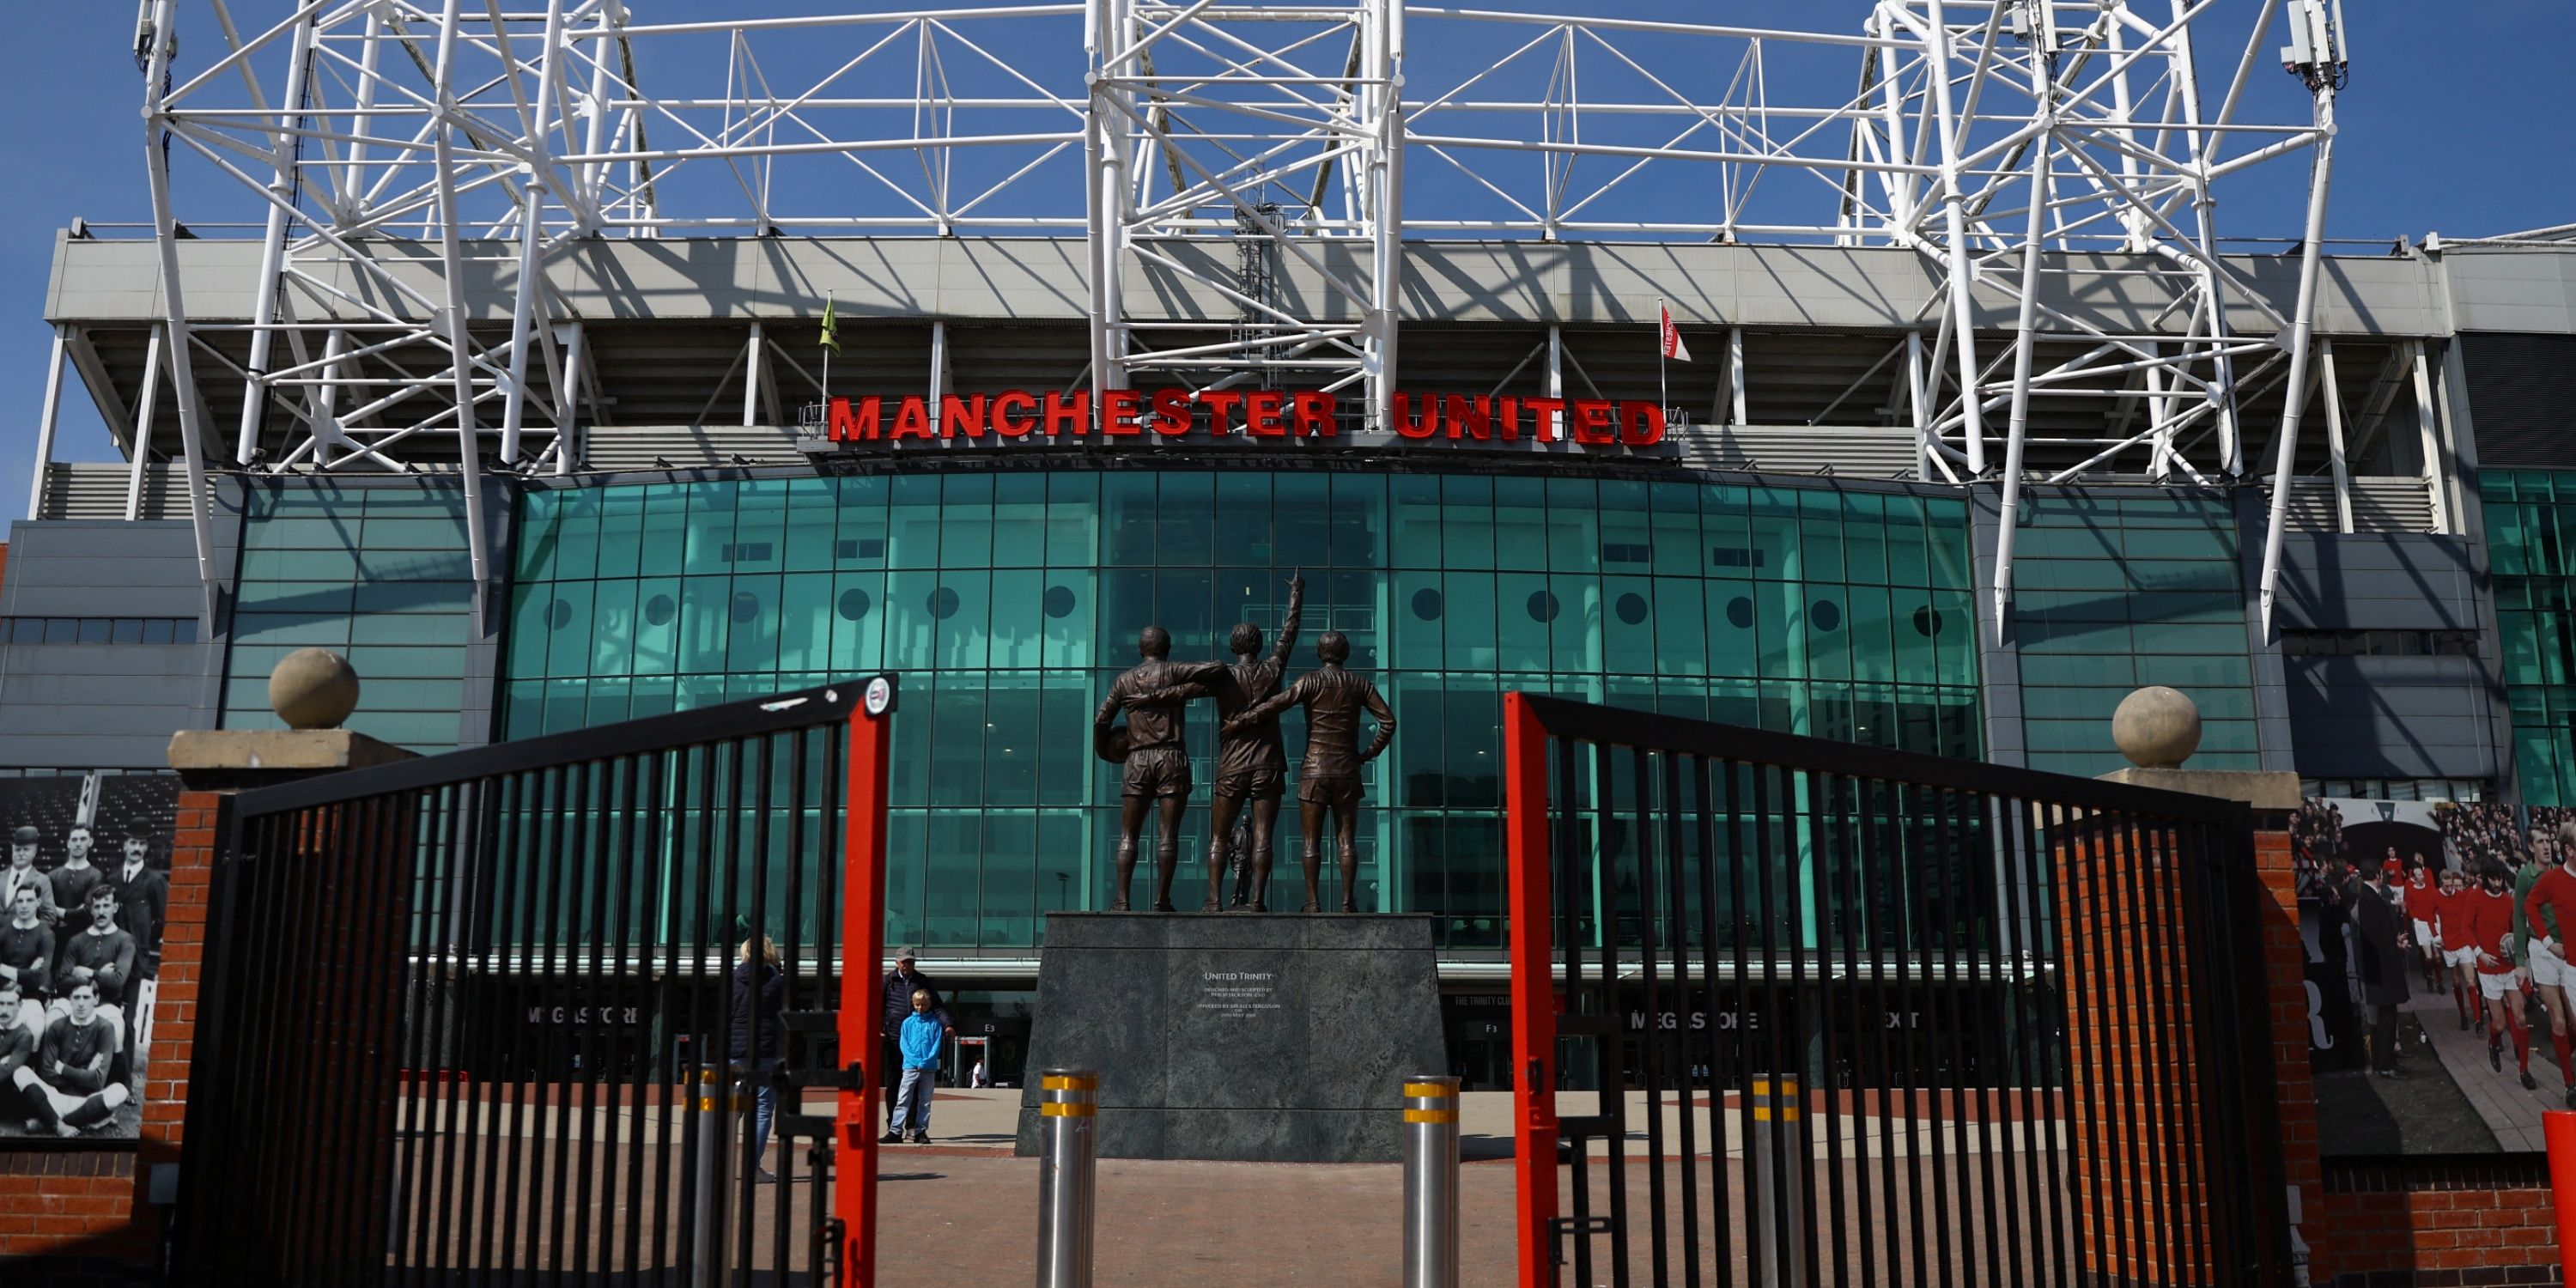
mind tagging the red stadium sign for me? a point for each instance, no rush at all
(1181, 414)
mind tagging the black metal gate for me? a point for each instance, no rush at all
(1797, 1012)
(470, 1018)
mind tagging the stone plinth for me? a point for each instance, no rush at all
(1240, 1038)
(2267, 790)
(231, 760)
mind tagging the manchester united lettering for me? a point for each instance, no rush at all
(1252, 413)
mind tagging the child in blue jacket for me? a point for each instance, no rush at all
(919, 1039)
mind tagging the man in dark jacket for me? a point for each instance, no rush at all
(898, 1006)
(2380, 946)
(759, 1006)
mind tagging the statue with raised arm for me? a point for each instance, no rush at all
(1329, 778)
(1251, 764)
(1157, 760)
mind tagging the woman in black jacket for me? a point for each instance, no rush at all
(759, 995)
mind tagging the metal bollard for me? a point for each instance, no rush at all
(1779, 1184)
(1068, 1142)
(715, 1178)
(1430, 1182)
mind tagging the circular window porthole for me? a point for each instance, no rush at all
(943, 603)
(1542, 607)
(1824, 615)
(1059, 601)
(559, 615)
(1426, 605)
(1927, 622)
(746, 606)
(658, 610)
(1631, 608)
(854, 604)
(1739, 613)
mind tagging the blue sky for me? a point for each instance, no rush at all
(2447, 126)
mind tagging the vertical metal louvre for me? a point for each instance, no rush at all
(469, 1017)
(1827, 1015)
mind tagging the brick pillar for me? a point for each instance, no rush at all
(2285, 979)
(88, 1217)
(2141, 1183)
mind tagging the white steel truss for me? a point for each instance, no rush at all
(1215, 150)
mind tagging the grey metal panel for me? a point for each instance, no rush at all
(2364, 717)
(2376, 581)
(682, 279)
(2512, 290)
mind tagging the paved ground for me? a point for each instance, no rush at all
(964, 1206)
(2510, 1113)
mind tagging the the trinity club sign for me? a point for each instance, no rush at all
(1245, 416)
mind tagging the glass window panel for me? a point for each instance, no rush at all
(1468, 605)
(1681, 627)
(1414, 501)
(912, 522)
(1013, 741)
(957, 752)
(963, 607)
(1358, 519)
(530, 635)
(1523, 611)
(1415, 632)
(1628, 623)
(706, 618)
(1773, 540)
(657, 625)
(1825, 616)
(1297, 520)
(1732, 641)
(1574, 638)
(1185, 520)
(910, 630)
(1676, 530)
(966, 522)
(1864, 538)
(1069, 628)
(1417, 774)
(1009, 880)
(813, 523)
(1573, 526)
(1073, 519)
(1520, 524)
(1243, 498)
(1127, 519)
(861, 537)
(569, 614)
(805, 617)
(1467, 533)
(1820, 533)
(1019, 520)
(1867, 620)
(1017, 625)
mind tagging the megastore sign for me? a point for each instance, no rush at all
(1235, 416)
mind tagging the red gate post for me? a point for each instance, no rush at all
(854, 1194)
(2558, 1132)
(1533, 988)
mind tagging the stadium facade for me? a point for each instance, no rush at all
(488, 400)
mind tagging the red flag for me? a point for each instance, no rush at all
(1670, 336)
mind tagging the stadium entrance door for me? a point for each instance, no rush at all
(496, 1014)
(1796, 1012)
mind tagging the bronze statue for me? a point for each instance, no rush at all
(1157, 760)
(1251, 764)
(1330, 777)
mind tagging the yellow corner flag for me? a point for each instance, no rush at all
(831, 326)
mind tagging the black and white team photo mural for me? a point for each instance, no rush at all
(82, 902)
(2439, 1016)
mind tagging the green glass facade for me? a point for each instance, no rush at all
(2114, 592)
(2529, 514)
(1008, 601)
(377, 574)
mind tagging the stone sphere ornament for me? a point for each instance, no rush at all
(313, 688)
(2157, 727)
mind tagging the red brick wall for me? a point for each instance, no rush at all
(2383, 1227)
(87, 1214)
